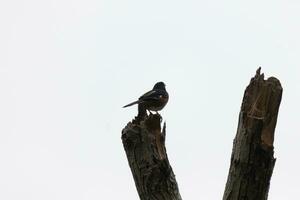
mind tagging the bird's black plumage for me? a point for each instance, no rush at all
(154, 100)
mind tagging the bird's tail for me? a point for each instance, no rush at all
(135, 102)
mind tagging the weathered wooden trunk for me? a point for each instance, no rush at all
(144, 143)
(252, 160)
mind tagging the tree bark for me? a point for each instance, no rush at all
(252, 160)
(144, 144)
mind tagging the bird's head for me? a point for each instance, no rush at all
(159, 86)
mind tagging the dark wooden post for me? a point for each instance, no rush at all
(144, 143)
(252, 160)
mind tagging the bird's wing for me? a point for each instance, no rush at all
(151, 95)
(147, 94)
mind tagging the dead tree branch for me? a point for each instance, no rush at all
(144, 143)
(252, 160)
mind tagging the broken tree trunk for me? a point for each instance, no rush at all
(252, 160)
(144, 143)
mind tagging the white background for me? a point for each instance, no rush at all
(67, 68)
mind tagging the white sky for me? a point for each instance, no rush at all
(67, 68)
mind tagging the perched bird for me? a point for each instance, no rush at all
(154, 100)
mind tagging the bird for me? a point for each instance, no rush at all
(154, 100)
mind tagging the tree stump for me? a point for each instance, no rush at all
(252, 160)
(144, 144)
